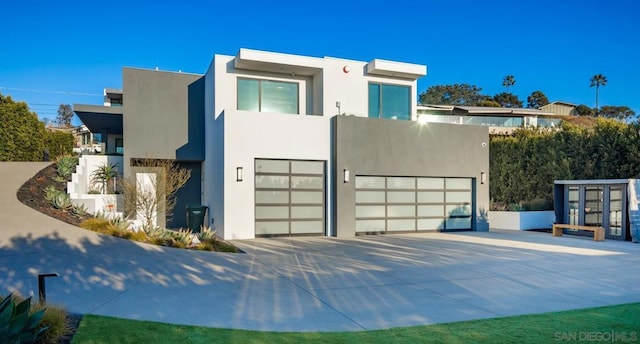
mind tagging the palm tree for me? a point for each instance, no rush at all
(597, 81)
(508, 81)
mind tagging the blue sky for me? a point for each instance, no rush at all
(56, 52)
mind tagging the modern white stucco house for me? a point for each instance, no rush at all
(282, 144)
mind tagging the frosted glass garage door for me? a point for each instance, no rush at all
(289, 197)
(408, 204)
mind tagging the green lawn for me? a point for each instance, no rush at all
(605, 324)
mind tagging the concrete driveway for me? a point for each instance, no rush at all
(310, 284)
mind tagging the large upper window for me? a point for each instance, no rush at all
(389, 101)
(267, 96)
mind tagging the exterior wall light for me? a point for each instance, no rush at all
(345, 175)
(483, 178)
(238, 174)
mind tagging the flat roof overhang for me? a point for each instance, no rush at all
(265, 61)
(100, 118)
(396, 69)
(498, 111)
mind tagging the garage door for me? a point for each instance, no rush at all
(387, 204)
(289, 197)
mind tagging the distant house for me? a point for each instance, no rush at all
(499, 120)
(560, 108)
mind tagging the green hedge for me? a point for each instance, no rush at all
(21, 133)
(58, 143)
(524, 166)
(24, 138)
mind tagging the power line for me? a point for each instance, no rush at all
(51, 92)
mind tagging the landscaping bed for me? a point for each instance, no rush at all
(32, 194)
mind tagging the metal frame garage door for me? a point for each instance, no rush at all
(289, 197)
(405, 204)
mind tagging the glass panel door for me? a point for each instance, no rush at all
(573, 208)
(593, 206)
(615, 211)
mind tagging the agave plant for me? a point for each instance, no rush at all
(17, 325)
(79, 209)
(65, 166)
(62, 201)
(50, 192)
(119, 223)
(155, 232)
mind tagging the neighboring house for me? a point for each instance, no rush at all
(559, 108)
(84, 141)
(106, 121)
(500, 120)
(281, 144)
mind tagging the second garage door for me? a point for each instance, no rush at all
(405, 204)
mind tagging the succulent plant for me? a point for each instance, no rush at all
(62, 201)
(50, 192)
(156, 232)
(16, 324)
(65, 166)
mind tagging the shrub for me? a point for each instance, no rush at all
(96, 224)
(56, 321)
(21, 133)
(58, 142)
(537, 205)
(183, 236)
(206, 233)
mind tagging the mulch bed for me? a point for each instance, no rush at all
(31, 193)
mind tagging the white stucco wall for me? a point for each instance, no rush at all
(236, 138)
(352, 88)
(270, 136)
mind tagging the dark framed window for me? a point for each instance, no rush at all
(268, 96)
(119, 146)
(389, 101)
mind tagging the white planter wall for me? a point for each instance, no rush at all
(521, 220)
(78, 187)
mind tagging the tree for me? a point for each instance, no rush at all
(617, 112)
(103, 176)
(508, 100)
(584, 110)
(537, 99)
(21, 133)
(456, 94)
(64, 116)
(151, 190)
(597, 81)
(508, 81)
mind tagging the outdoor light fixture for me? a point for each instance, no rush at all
(345, 175)
(238, 174)
(483, 178)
